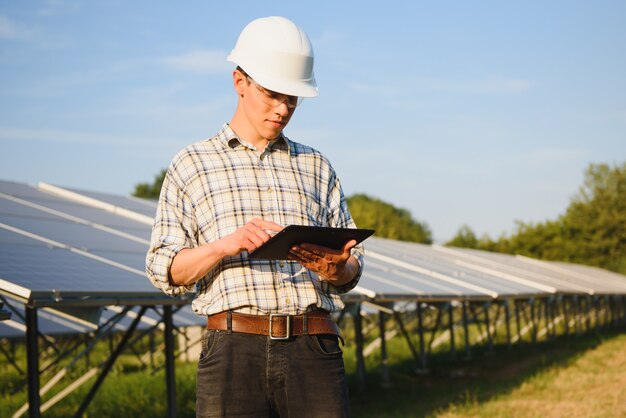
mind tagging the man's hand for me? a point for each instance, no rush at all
(335, 266)
(249, 237)
(190, 264)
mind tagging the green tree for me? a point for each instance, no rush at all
(592, 230)
(387, 220)
(464, 238)
(596, 219)
(150, 191)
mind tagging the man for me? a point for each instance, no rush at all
(270, 348)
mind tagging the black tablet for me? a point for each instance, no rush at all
(277, 247)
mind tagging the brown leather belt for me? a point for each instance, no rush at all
(276, 326)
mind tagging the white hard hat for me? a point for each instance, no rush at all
(278, 55)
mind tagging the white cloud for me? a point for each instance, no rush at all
(492, 84)
(56, 7)
(200, 61)
(554, 154)
(12, 31)
(69, 136)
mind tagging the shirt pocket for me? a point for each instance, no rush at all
(302, 209)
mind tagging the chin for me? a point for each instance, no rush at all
(273, 133)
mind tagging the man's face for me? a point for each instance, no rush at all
(267, 112)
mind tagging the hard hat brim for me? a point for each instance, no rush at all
(274, 65)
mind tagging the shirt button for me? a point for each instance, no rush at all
(281, 264)
(270, 190)
(287, 301)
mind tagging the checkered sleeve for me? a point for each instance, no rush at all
(172, 231)
(339, 217)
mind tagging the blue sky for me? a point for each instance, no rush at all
(477, 113)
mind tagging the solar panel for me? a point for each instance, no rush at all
(144, 206)
(92, 241)
(46, 204)
(49, 322)
(537, 273)
(54, 323)
(68, 233)
(39, 270)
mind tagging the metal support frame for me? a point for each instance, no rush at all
(507, 318)
(406, 336)
(468, 353)
(420, 330)
(10, 356)
(358, 335)
(537, 317)
(565, 312)
(109, 363)
(384, 365)
(486, 307)
(451, 330)
(34, 373)
(32, 361)
(169, 361)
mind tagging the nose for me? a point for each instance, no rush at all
(282, 109)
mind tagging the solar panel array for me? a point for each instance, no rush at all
(56, 245)
(67, 245)
(401, 270)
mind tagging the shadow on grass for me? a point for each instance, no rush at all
(462, 381)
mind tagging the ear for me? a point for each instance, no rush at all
(239, 82)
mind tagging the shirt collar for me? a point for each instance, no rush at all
(229, 139)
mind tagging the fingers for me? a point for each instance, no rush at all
(305, 255)
(349, 245)
(250, 236)
(255, 233)
(326, 262)
(266, 225)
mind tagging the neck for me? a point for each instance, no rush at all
(248, 134)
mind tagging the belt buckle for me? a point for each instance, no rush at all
(288, 326)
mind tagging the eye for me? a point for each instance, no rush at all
(274, 95)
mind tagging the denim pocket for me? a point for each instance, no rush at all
(210, 339)
(326, 344)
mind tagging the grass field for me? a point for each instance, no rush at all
(576, 377)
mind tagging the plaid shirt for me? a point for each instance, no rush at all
(216, 186)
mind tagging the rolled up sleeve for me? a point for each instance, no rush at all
(339, 217)
(171, 233)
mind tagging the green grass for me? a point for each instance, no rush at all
(578, 377)
(575, 377)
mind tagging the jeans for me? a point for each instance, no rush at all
(247, 375)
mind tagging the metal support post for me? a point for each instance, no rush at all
(577, 312)
(507, 318)
(451, 329)
(358, 336)
(613, 309)
(383, 350)
(420, 330)
(587, 314)
(486, 307)
(170, 376)
(32, 362)
(548, 318)
(468, 352)
(533, 320)
(517, 321)
(564, 309)
(596, 307)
